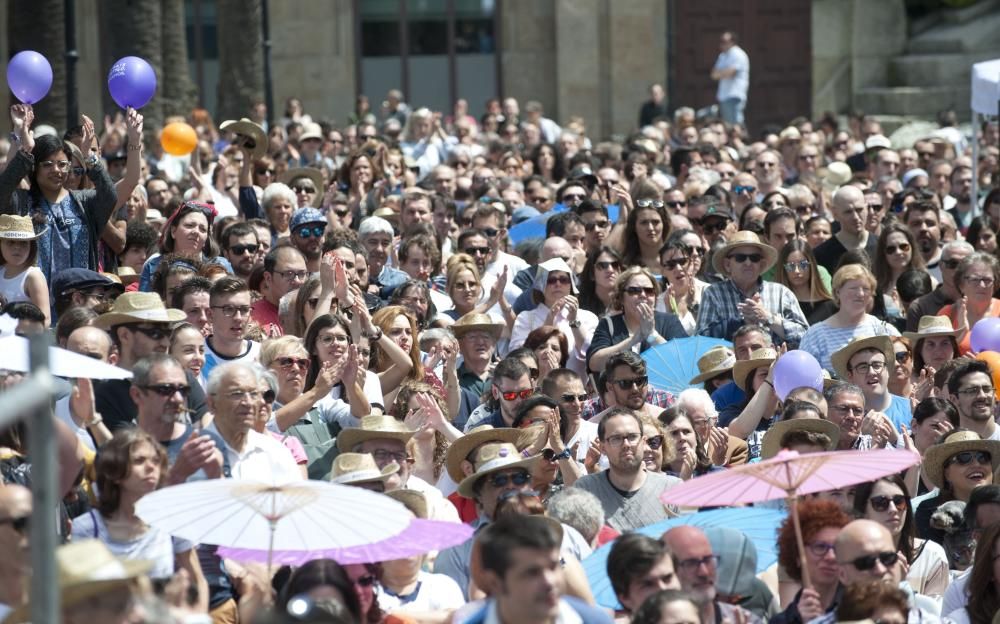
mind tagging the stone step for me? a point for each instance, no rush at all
(973, 36)
(917, 101)
(935, 70)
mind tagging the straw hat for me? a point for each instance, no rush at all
(836, 174)
(87, 568)
(138, 307)
(374, 428)
(127, 275)
(744, 238)
(759, 358)
(254, 136)
(840, 358)
(351, 468)
(494, 457)
(311, 131)
(474, 321)
(954, 443)
(714, 362)
(772, 438)
(932, 327)
(476, 437)
(297, 173)
(14, 227)
(413, 500)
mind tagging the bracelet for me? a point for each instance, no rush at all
(574, 324)
(565, 454)
(96, 421)
(135, 148)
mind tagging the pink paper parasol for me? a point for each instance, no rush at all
(789, 475)
(420, 537)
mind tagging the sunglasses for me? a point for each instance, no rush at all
(743, 189)
(640, 290)
(289, 362)
(903, 247)
(168, 390)
(677, 204)
(603, 225)
(670, 265)
(491, 232)
(518, 478)
(153, 333)
(573, 197)
(477, 251)
(549, 455)
(366, 581)
(604, 266)
(304, 188)
(558, 279)
(881, 503)
(570, 397)
(516, 394)
(649, 203)
(801, 265)
(740, 258)
(19, 524)
(312, 301)
(635, 382)
(269, 172)
(902, 357)
(950, 264)
(715, 226)
(268, 396)
(655, 442)
(310, 232)
(967, 457)
(239, 250)
(867, 562)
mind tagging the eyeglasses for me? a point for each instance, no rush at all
(866, 367)
(491, 232)
(570, 398)
(903, 247)
(902, 357)
(559, 279)
(573, 197)
(304, 188)
(292, 274)
(973, 391)
(744, 189)
(800, 266)
(328, 339)
(619, 439)
(819, 549)
(649, 203)
(849, 409)
(655, 442)
(951, 264)
(153, 333)
(289, 362)
(77, 171)
(516, 394)
(676, 204)
(867, 562)
(881, 503)
(231, 310)
(635, 382)
(690, 565)
(740, 258)
(670, 265)
(716, 225)
(310, 232)
(597, 225)
(240, 395)
(365, 581)
(19, 524)
(61, 165)
(649, 291)
(168, 390)
(383, 456)
(549, 455)
(239, 250)
(518, 478)
(604, 266)
(979, 279)
(477, 251)
(967, 457)
(312, 302)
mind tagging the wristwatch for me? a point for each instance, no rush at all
(13, 137)
(374, 336)
(91, 161)
(575, 324)
(566, 454)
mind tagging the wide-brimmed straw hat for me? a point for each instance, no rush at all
(758, 358)
(127, 275)
(138, 307)
(835, 175)
(476, 437)
(932, 327)
(475, 321)
(744, 238)
(311, 131)
(841, 357)
(413, 500)
(18, 228)
(315, 175)
(254, 136)
(771, 443)
(88, 568)
(956, 442)
(374, 428)
(494, 457)
(714, 362)
(352, 468)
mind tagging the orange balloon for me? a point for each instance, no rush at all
(992, 359)
(179, 139)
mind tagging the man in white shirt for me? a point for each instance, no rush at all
(492, 221)
(230, 310)
(732, 72)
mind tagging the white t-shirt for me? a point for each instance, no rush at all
(154, 545)
(263, 459)
(250, 354)
(434, 592)
(739, 84)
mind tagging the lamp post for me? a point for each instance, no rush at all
(268, 91)
(72, 56)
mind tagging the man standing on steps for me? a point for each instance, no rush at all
(732, 72)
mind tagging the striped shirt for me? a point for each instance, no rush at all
(719, 316)
(823, 340)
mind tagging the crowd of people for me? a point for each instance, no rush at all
(360, 303)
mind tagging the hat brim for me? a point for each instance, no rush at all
(162, 315)
(494, 329)
(743, 368)
(712, 373)
(842, 356)
(770, 255)
(413, 500)
(467, 486)
(348, 438)
(251, 130)
(360, 476)
(771, 443)
(306, 172)
(913, 337)
(22, 236)
(461, 447)
(937, 454)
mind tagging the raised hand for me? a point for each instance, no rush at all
(572, 306)
(718, 444)
(340, 284)
(21, 118)
(350, 372)
(327, 274)
(647, 323)
(133, 123)
(86, 139)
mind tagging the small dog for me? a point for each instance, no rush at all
(958, 541)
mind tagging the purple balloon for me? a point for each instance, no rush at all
(132, 82)
(29, 76)
(986, 335)
(796, 369)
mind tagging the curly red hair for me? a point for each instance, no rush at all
(814, 516)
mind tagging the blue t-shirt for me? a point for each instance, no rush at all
(729, 394)
(899, 412)
(67, 242)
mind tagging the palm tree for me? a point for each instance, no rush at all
(241, 60)
(38, 25)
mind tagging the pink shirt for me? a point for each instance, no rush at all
(293, 445)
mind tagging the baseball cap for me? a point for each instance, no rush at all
(76, 278)
(306, 215)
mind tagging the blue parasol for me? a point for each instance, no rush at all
(759, 524)
(673, 364)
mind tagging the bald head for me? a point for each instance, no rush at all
(556, 247)
(847, 195)
(850, 209)
(693, 561)
(14, 498)
(90, 341)
(862, 548)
